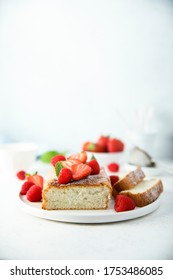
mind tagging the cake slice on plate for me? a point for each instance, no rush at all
(129, 180)
(145, 192)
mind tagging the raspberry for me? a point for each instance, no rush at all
(113, 179)
(25, 187)
(94, 166)
(123, 203)
(113, 167)
(65, 176)
(57, 158)
(34, 194)
(21, 175)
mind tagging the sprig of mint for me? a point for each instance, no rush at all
(47, 156)
(58, 168)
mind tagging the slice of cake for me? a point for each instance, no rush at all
(92, 192)
(129, 180)
(145, 192)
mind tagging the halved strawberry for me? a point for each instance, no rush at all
(82, 156)
(36, 180)
(123, 203)
(80, 171)
(93, 163)
(69, 162)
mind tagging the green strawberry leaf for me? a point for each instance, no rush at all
(28, 174)
(58, 168)
(47, 156)
(93, 157)
(91, 147)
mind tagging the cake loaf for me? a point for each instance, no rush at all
(92, 192)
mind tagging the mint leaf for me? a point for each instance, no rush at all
(58, 168)
(47, 156)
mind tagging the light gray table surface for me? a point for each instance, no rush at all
(23, 236)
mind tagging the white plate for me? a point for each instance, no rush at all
(86, 216)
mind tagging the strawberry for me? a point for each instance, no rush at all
(115, 145)
(102, 142)
(113, 167)
(82, 156)
(65, 176)
(21, 175)
(69, 162)
(25, 187)
(80, 171)
(113, 179)
(123, 203)
(36, 179)
(93, 163)
(93, 147)
(57, 158)
(34, 194)
(86, 145)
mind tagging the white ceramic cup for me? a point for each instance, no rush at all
(17, 156)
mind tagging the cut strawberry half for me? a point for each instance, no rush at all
(82, 156)
(80, 171)
(69, 162)
(36, 180)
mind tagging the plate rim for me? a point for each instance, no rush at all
(86, 216)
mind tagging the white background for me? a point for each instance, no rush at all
(66, 67)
